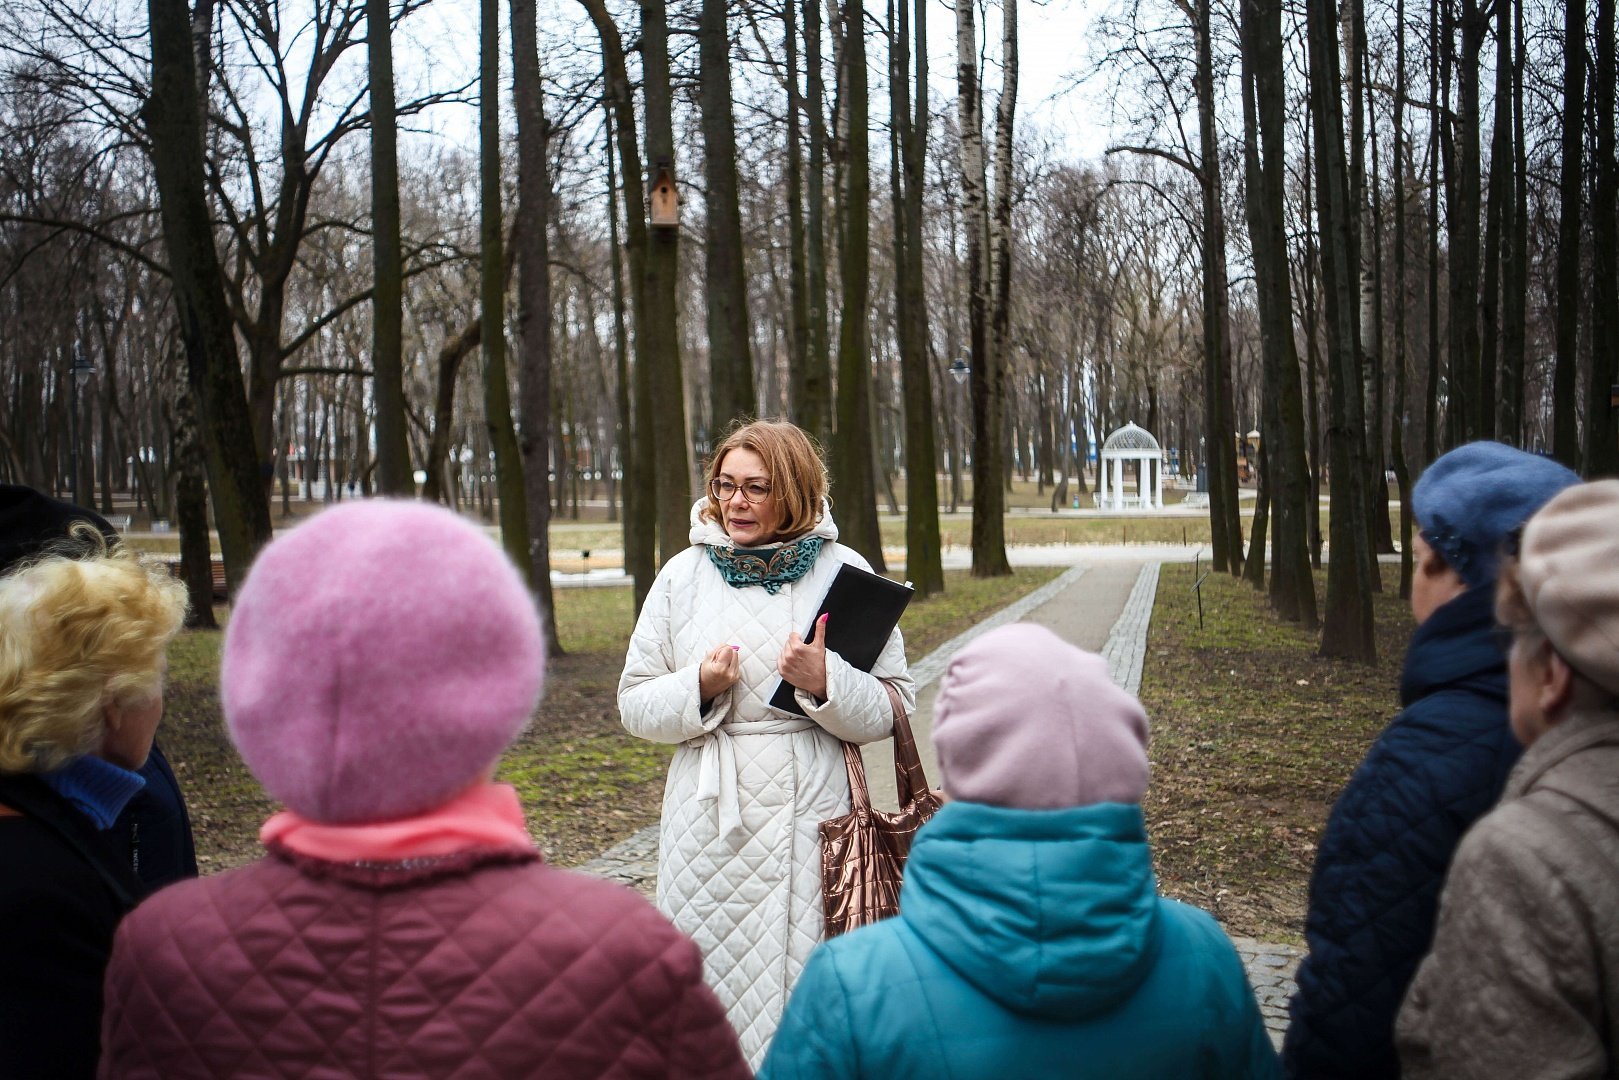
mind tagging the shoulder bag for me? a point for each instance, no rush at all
(863, 852)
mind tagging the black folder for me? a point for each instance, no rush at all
(864, 609)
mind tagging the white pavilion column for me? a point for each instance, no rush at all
(1118, 483)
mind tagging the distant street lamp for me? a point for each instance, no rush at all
(81, 371)
(959, 371)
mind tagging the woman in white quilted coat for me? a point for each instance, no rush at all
(739, 864)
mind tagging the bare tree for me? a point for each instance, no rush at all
(497, 403)
(387, 296)
(173, 123)
(534, 305)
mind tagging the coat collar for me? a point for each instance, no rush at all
(1577, 733)
(1454, 646)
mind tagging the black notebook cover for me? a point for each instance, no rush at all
(864, 610)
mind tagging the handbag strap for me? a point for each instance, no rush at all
(910, 782)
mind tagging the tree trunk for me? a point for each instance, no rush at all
(815, 391)
(173, 121)
(1515, 278)
(638, 521)
(998, 356)
(797, 273)
(497, 403)
(922, 556)
(989, 523)
(1565, 378)
(1347, 629)
(852, 466)
(1497, 223)
(1225, 519)
(534, 305)
(1292, 588)
(1462, 255)
(1430, 424)
(440, 470)
(387, 296)
(640, 498)
(730, 360)
(670, 454)
(191, 513)
(1402, 318)
(1601, 434)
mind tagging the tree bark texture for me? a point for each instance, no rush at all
(640, 497)
(191, 510)
(1565, 377)
(989, 525)
(797, 272)
(534, 305)
(1292, 588)
(923, 563)
(815, 391)
(1470, 397)
(730, 359)
(853, 472)
(1225, 520)
(1347, 629)
(172, 115)
(497, 402)
(670, 456)
(998, 354)
(1601, 432)
(387, 291)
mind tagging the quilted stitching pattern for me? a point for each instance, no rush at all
(751, 900)
(1388, 845)
(506, 971)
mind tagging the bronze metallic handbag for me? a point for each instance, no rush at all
(863, 852)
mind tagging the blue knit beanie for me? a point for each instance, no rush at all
(1471, 499)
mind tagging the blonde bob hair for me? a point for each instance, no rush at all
(75, 636)
(797, 473)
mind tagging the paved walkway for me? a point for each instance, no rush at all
(1103, 603)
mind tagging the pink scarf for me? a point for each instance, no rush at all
(485, 817)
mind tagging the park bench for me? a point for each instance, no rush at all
(216, 567)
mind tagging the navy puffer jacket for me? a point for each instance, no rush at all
(1436, 769)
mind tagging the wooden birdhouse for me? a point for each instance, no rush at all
(665, 199)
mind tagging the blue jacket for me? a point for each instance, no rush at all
(1436, 769)
(1029, 944)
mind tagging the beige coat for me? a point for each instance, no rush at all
(1523, 978)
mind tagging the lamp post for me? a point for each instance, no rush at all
(81, 371)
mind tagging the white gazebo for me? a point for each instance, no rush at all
(1130, 443)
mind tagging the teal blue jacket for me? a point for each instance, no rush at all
(1029, 944)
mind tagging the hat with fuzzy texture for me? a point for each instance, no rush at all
(1025, 720)
(1472, 498)
(378, 660)
(1568, 567)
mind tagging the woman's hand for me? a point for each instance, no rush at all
(719, 672)
(803, 663)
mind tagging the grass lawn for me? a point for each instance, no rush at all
(585, 783)
(1253, 738)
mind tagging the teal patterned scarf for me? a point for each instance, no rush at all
(770, 567)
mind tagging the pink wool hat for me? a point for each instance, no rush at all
(1025, 720)
(378, 660)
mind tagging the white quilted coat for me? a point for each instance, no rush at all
(739, 858)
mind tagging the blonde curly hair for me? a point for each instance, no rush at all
(77, 634)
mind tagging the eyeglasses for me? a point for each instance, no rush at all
(753, 492)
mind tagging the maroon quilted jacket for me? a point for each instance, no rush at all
(490, 965)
